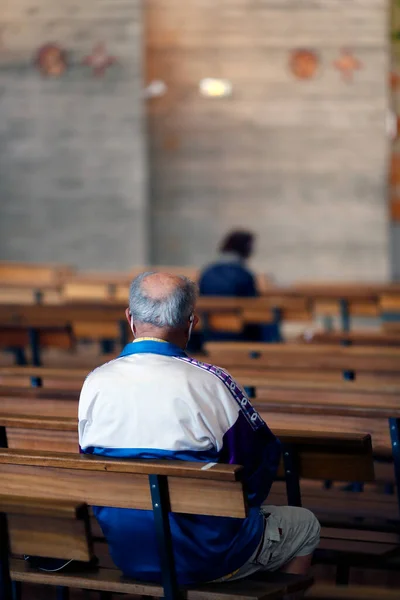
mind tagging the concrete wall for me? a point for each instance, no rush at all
(72, 149)
(302, 163)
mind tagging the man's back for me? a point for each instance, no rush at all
(155, 402)
(227, 278)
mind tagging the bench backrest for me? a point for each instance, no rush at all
(303, 357)
(33, 274)
(163, 487)
(319, 455)
(357, 338)
(42, 527)
(193, 489)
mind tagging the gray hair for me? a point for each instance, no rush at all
(172, 311)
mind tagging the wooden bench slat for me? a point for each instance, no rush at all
(122, 490)
(321, 455)
(111, 580)
(344, 440)
(38, 507)
(39, 527)
(87, 462)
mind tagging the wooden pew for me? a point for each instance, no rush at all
(296, 403)
(33, 481)
(352, 338)
(97, 322)
(29, 283)
(233, 314)
(289, 357)
(312, 455)
(20, 273)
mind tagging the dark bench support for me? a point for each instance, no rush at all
(394, 426)
(291, 475)
(345, 314)
(6, 588)
(161, 509)
(62, 593)
(35, 349)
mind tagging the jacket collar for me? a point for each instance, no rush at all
(152, 347)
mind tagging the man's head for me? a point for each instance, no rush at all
(239, 242)
(162, 306)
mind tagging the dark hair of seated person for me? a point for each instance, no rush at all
(238, 242)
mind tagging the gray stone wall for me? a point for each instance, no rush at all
(302, 163)
(72, 149)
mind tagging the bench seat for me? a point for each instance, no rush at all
(111, 580)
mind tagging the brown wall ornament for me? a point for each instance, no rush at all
(304, 63)
(51, 60)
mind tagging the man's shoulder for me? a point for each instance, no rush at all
(206, 370)
(105, 369)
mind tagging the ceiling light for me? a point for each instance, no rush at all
(215, 88)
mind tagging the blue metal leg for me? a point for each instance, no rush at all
(16, 590)
(20, 356)
(291, 475)
(62, 593)
(345, 315)
(161, 509)
(250, 391)
(328, 323)
(35, 350)
(394, 426)
(348, 375)
(107, 346)
(277, 313)
(38, 296)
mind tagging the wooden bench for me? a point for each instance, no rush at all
(343, 300)
(308, 455)
(304, 357)
(352, 338)
(29, 283)
(88, 321)
(234, 314)
(44, 497)
(296, 403)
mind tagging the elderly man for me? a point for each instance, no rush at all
(156, 402)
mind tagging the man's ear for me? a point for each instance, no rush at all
(128, 315)
(195, 321)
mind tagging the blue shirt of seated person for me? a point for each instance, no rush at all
(229, 276)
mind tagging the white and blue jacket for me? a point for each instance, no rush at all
(155, 402)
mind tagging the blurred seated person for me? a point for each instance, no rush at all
(228, 275)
